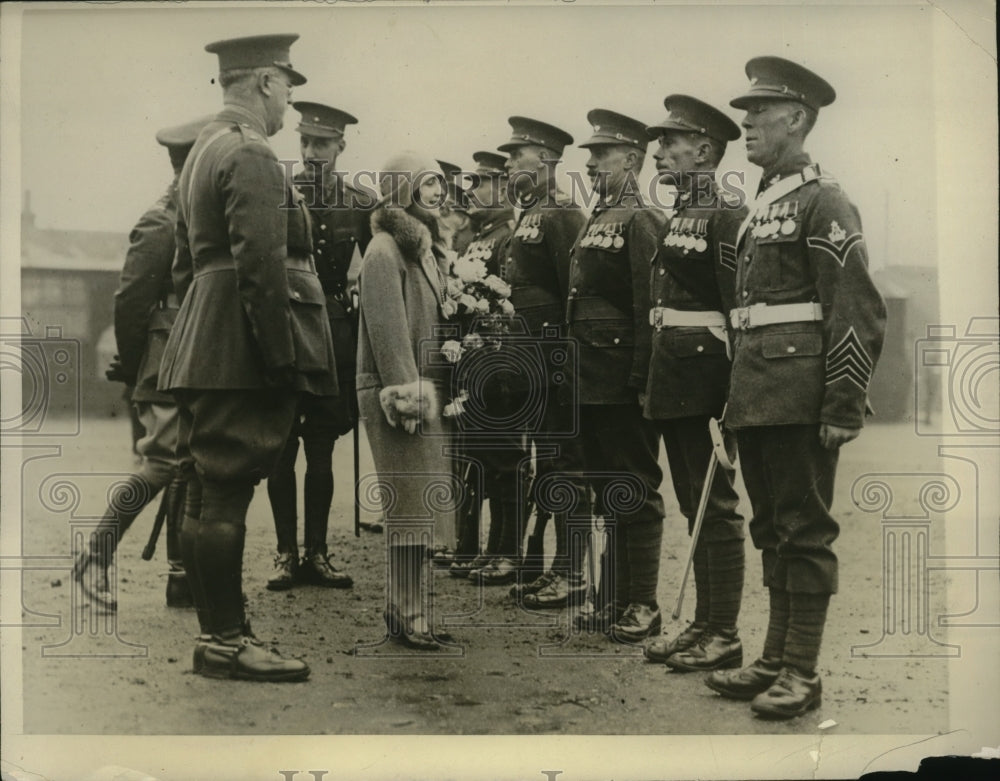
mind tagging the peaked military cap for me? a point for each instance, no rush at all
(182, 135)
(777, 78)
(321, 121)
(258, 51)
(530, 131)
(611, 127)
(690, 115)
(489, 163)
(455, 195)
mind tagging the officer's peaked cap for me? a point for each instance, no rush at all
(690, 115)
(258, 51)
(179, 136)
(777, 78)
(321, 121)
(527, 132)
(489, 163)
(610, 127)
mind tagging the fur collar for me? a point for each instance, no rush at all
(412, 236)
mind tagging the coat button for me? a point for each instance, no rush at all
(322, 241)
(790, 348)
(662, 271)
(659, 301)
(616, 340)
(701, 348)
(573, 291)
(746, 293)
(296, 294)
(545, 325)
(322, 227)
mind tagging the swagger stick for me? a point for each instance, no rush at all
(356, 435)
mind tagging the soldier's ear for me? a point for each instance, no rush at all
(342, 143)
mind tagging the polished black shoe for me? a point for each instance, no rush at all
(792, 694)
(715, 650)
(560, 592)
(658, 649)
(600, 620)
(178, 589)
(747, 683)
(285, 571)
(412, 631)
(317, 570)
(534, 586)
(246, 659)
(636, 624)
(461, 569)
(500, 572)
(93, 579)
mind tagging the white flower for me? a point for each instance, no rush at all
(451, 350)
(469, 302)
(449, 307)
(472, 341)
(469, 270)
(497, 285)
(454, 286)
(482, 305)
(506, 307)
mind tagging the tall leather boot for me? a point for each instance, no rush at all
(218, 552)
(178, 590)
(190, 528)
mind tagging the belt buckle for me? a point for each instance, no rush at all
(658, 317)
(743, 317)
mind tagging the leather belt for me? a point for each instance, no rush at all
(747, 317)
(663, 316)
(223, 262)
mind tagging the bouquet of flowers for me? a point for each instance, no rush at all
(480, 302)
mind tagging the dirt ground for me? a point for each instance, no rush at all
(511, 672)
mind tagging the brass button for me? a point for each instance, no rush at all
(662, 271)
(322, 241)
(701, 348)
(295, 294)
(790, 348)
(322, 227)
(659, 301)
(746, 294)
(545, 325)
(616, 340)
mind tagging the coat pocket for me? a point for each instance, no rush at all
(694, 344)
(794, 344)
(310, 327)
(610, 332)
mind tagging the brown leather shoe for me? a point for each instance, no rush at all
(93, 579)
(659, 648)
(715, 650)
(246, 659)
(747, 683)
(285, 569)
(317, 569)
(792, 694)
(558, 593)
(500, 572)
(636, 624)
(533, 586)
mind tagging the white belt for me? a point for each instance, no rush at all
(661, 316)
(747, 317)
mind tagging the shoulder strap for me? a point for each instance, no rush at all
(194, 164)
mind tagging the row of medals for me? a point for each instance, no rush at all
(529, 227)
(688, 234)
(604, 235)
(779, 219)
(479, 250)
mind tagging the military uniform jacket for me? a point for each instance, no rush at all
(694, 271)
(251, 300)
(537, 267)
(340, 225)
(608, 303)
(807, 246)
(489, 242)
(145, 305)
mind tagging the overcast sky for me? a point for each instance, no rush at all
(98, 81)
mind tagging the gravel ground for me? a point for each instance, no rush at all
(511, 672)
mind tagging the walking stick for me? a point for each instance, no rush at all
(356, 435)
(719, 456)
(154, 534)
